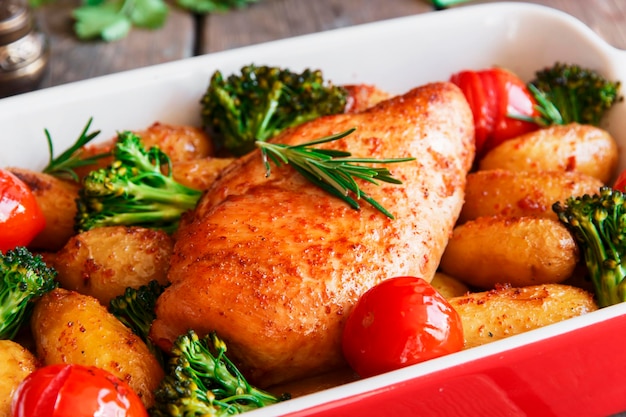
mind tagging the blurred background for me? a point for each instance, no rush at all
(184, 31)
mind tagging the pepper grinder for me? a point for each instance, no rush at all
(24, 51)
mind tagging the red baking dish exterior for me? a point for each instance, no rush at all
(578, 373)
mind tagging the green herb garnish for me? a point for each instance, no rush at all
(112, 19)
(63, 165)
(332, 170)
(213, 6)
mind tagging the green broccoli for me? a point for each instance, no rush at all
(136, 189)
(598, 223)
(135, 308)
(262, 101)
(202, 381)
(571, 94)
(25, 277)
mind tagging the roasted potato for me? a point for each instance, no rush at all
(507, 311)
(57, 200)
(104, 261)
(448, 286)
(17, 363)
(363, 96)
(91, 150)
(199, 174)
(573, 147)
(522, 193)
(519, 251)
(179, 142)
(69, 327)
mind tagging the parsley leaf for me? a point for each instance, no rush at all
(113, 19)
(37, 3)
(211, 6)
(149, 14)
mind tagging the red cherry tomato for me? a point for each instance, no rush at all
(493, 95)
(620, 182)
(400, 322)
(21, 218)
(75, 390)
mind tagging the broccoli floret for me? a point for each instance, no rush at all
(137, 189)
(25, 277)
(598, 223)
(135, 308)
(571, 94)
(262, 101)
(202, 381)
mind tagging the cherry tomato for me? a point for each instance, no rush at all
(400, 322)
(21, 219)
(493, 95)
(620, 182)
(75, 390)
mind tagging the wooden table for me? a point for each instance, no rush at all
(186, 35)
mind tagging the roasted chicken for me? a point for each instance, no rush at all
(275, 264)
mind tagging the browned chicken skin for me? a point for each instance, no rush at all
(274, 265)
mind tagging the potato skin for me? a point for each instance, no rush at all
(16, 364)
(57, 200)
(522, 193)
(199, 174)
(519, 251)
(573, 147)
(448, 286)
(179, 142)
(363, 96)
(69, 327)
(506, 311)
(104, 261)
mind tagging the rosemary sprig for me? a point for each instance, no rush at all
(332, 170)
(63, 165)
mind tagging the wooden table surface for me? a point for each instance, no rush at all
(186, 35)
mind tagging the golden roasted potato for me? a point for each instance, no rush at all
(199, 174)
(519, 251)
(69, 327)
(17, 363)
(522, 193)
(573, 147)
(507, 311)
(448, 286)
(179, 142)
(363, 96)
(57, 200)
(104, 261)
(91, 150)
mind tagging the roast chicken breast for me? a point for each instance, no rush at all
(274, 264)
